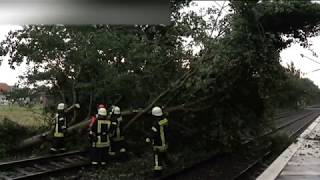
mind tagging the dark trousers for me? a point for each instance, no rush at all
(118, 150)
(99, 155)
(117, 146)
(160, 158)
(58, 144)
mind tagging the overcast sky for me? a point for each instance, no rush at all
(292, 53)
(8, 75)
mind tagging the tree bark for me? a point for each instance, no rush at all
(74, 99)
(90, 104)
(47, 136)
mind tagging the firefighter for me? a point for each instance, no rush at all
(158, 138)
(92, 120)
(59, 130)
(102, 106)
(100, 131)
(117, 142)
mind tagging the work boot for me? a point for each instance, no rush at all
(111, 153)
(53, 150)
(94, 163)
(123, 156)
(157, 173)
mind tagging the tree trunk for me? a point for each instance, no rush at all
(61, 94)
(74, 99)
(90, 104)
(38, 139)
(47, 136)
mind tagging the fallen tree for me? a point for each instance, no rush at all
(47, 136)
(241, 70)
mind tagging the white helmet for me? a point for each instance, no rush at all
(116, 110)
(60, 106)
(157, 111)
(102, 111)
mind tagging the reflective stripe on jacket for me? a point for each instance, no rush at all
(118, 133)
(60, 125)
(103, 129)
(159, 135)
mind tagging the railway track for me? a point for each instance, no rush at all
(47, 165)
(289, 113)
(292, 127)
(42, 166)
(292, 133)
(283, 126)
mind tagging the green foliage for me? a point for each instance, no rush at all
(242, 73)
(10, 134)
(103, 60)
(280, 142)
(294, 91)
(18, 93)
(232, 83)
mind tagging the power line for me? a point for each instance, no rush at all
(312, 71)
(310, 59)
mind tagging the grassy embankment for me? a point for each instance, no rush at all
(16, 124)
(26, 117)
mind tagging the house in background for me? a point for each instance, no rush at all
(4, 88)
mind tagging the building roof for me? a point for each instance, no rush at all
(4, 87)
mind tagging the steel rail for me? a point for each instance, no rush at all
(40, 164)
(256, 162)
(312, 115)
(278, 128)
(287, 114)
(44, 165)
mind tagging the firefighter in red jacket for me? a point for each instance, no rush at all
(93, 118)
(158, 138)
(59, 129)
(100, 132)
(117, 141)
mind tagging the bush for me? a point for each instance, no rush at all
(10, 134)
(280, 142)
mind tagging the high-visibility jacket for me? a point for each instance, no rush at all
(101, 130)
(60, 125)
(159, 135)
(118, 136)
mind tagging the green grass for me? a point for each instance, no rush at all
(27, 117)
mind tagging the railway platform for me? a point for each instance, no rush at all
(301, 160)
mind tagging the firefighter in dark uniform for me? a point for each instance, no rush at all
(117, 141)
(93, 120)
(101, 130)
(59, 129)
(159, 140)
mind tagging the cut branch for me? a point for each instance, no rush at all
(146, 109)
(47, 136)
(179, 83)
(186, 105)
